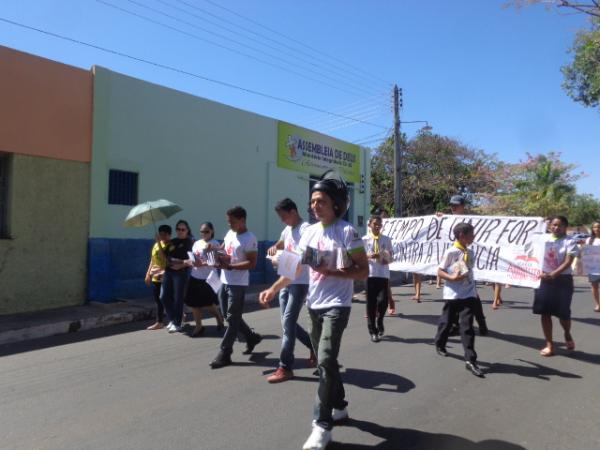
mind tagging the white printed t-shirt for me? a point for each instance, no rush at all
(291, 238)
(376, 269)
(462, 289)
(330, 291)
(557, 249)
(238, 246)
(202, 273)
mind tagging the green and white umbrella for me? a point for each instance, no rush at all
(149, 212)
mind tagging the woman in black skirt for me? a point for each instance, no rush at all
(553, 297)
(199, 293)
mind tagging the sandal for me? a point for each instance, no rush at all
(597, 308)
(391, 312)
(570, 345)
(546, 351)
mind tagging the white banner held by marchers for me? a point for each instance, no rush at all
(507, 249)
(590, 258)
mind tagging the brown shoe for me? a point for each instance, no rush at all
(156, 326)
(281, 374)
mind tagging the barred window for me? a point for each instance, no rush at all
(122, 188)
(4, 184)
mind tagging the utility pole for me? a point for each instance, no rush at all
(397, 153)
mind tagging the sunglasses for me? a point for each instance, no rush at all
(205, 231)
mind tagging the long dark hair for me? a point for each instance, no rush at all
(592, 234)
(209, 225)
(187, 225)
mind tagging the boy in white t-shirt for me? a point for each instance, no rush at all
(379, 252)
(241, 248)
(460, 293)
(292, 297)
(336, 255)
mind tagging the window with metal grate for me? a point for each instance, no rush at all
(122, 187)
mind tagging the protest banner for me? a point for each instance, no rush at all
(507, 249)
(590, 259)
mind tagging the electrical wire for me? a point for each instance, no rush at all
(214, 43)
(387, 83)
(185, 72)
(311, 60)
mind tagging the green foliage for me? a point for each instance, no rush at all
(433, 169)
(584, 210)
(582, 76)
(543, 185)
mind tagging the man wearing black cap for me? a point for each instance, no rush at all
(335, 253)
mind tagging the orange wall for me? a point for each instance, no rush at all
(45, 107)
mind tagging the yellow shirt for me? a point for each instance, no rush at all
(158, 261)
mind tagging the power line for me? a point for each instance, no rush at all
(185, 72)
(343, 73)
(354, 107)
(387, 83)
(195, 36)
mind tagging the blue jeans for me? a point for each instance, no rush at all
(326, 335)
(172, 292)
(231, 301)
(291, 300)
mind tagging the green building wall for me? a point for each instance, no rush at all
(43, 264)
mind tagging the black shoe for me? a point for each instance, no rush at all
(374, 338)
(483, 330)
(253, 340)
(441, 351)
(221, 360)
(473, 368)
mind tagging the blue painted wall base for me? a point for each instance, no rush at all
(117, 267)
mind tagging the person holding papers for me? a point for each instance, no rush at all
(460, 293)
(292, 297)
(336, 256)
(379, 252)
(553, 297)
(199, 293)
(241, 249)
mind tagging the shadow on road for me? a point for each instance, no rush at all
(405, 439)
(535, 370)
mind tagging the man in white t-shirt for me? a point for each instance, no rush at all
(241, 250)
(335, 253)
(292, 297)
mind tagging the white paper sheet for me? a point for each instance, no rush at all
(288, 264)
(214, 281)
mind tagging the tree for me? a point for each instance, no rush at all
(434, 168)
(585, 209)
(582, 76)
(542, 185)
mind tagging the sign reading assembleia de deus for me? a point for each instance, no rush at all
(306, 151)
(506, 248)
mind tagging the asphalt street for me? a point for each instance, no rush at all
(122, 387)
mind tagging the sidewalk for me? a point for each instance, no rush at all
(24, 326)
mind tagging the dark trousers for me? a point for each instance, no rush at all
(327, 327)
(377, 302)
(231, 302)
(160, 309)
(464, 310)
(477, 314)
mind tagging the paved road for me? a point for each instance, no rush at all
(126, 388)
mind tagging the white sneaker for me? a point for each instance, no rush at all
(174, 328)
(318, 439)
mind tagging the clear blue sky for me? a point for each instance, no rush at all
(486, 75)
